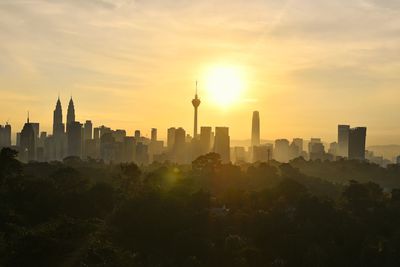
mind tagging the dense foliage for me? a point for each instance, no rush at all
(87, 213)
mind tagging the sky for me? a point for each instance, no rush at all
(305, 65)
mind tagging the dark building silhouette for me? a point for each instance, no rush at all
(179, 148)
(70, 113)
(171, 138)
(56, 147)
(255, 129)
(5, 135)
(58, 126)
(137, 134)
(27, 150)
(357, 140)
(88, 130)
(205, 140)
(74, 135)
(153, 134)
(196, 103)
(343, 140)
(222, 143)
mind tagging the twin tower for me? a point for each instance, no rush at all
(58, 125)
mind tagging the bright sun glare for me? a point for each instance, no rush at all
(224, 85)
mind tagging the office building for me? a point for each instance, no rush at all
(222, 143)
(255, 129)
(357, 140)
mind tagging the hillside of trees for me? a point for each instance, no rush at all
(302, 213)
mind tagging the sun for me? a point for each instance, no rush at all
(224, 84)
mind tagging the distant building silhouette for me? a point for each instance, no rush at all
(70, 113)
(196, 103)
(5, 135)
(263, 153)
(171, 138)
(88, 130)
(398, 160)
(255, 129)
(153, 134)
(343, 140)
(179, 148)
(222, 143)
(58, 126)
(205, 140)
(27, 150)
(74, 135)
(281, 151)
(357, 140)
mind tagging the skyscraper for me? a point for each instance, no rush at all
(70, 112)
(222, 143)
(357, 140)
(255, 129)
(205, 140)
(196, 103)
(74, 135)
(27, 143)
(88, 130)
(171, 138)
(281, 152)
(153, 134)
(343, 140)
(179, 150)
(5, 135)
(58, 126)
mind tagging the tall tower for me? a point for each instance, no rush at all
(255, 129)
(70, 113)
(196, 103)
(57, 118)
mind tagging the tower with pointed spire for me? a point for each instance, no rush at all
(196, 103)
(58, 126)
(70, 112)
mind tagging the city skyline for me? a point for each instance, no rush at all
(132, 64)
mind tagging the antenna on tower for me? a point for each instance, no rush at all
(196, 87)
(28, 117)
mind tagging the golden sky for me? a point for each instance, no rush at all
(306, 65)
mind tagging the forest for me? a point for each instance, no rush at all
(301, 213)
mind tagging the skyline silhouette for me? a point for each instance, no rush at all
(125, 58)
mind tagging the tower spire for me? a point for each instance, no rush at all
(27, 120)
(196, 103)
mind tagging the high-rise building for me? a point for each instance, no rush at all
(137, 134)
(196, 103)
(96, 134)
(222, 143)
(153, 134)
(171, 138)
(179, 148)
(27, 151)
(58, 126)
(398, 160)
(263, 153)
(281, 151)
(205, 140)
(316, 149)
(343, 140)
(70, 113)
(88, 130)
(74, 135)
(5, 135)
(357, 140)
(255, 129)
(299, 143)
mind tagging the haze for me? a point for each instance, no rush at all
(307, 65)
